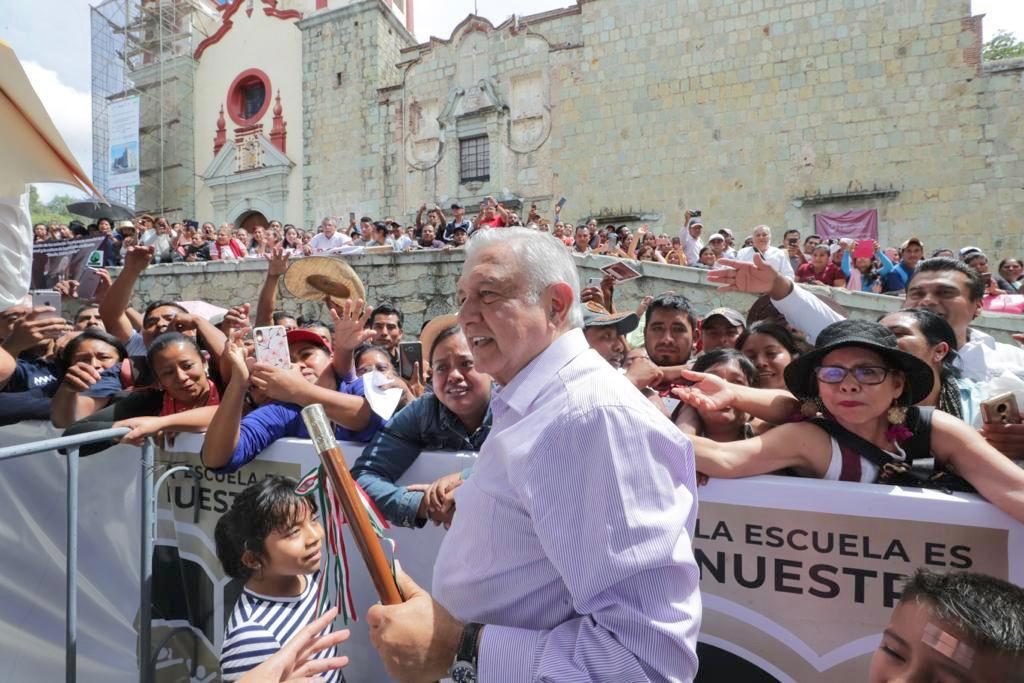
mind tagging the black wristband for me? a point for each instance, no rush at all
(468, 650)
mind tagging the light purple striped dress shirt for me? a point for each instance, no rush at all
(572, 539)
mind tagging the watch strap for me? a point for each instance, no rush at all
(468, 645)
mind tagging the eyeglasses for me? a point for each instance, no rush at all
(864, 374)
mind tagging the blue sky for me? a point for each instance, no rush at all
(51, 37)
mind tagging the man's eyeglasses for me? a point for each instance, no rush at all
(864, 374)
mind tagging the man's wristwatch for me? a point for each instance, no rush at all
(464, 668)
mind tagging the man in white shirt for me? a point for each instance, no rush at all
(942, 285)
(398, 240)
(329, 238)
(570, 557)
(160, 238)
(692, 243)
(773, 256)
(730, 240)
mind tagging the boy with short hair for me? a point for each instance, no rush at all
(961, 626)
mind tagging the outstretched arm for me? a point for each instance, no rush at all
(799, 445)
(802, 309)
(223, 430)
(69, 405)
(995, 476)
(277, 264)
(289, 386)
(714, 393)
(349, 332)
(113, 308)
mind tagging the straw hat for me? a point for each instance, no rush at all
(314, 277)
(433, 328)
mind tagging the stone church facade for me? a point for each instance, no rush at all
(754, 111)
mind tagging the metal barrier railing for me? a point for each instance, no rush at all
(69, 445)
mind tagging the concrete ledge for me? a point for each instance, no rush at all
(422, 284)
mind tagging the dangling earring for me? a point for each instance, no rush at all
(898, 432)
(897, 414)
(811, 407)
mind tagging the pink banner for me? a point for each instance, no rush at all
(860, 225)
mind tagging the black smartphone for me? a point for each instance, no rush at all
(409, 353)
(561, 202)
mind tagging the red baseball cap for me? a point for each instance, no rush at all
(303, 336)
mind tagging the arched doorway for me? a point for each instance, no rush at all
(250, 219)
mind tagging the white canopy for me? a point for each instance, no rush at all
(33, 152)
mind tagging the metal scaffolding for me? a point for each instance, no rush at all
(144, 48)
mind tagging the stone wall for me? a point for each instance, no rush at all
(348, 53)
(753, 111)
(422, 285)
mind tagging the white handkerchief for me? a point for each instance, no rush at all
(382, 401)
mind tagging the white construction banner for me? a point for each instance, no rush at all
(123, 143)
(798, 577)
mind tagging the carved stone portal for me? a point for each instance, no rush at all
(248, 152)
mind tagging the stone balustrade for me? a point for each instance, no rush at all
(422, 285)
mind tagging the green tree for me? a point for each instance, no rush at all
(48, 212)
(1002, 46)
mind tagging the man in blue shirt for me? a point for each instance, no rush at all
(911, 253)
(232, 440)
(458, 220)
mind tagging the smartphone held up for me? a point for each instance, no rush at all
(272, 346)
(409, 355)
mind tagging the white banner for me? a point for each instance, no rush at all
(798, 576)
(123, 143)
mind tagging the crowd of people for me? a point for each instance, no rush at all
(833, 262)
(790, 388)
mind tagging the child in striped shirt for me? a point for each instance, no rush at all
(271, 539)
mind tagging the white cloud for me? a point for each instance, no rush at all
(71, 112)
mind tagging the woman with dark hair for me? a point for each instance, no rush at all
(863, 273)
(184, 398)
(1012, 271)
(724, 424)
(706, 259)
(820, 270)
(371, 357)
(771, 347)
(930, 338)
(92, 364)
(292, 239)
(455, 416)
(867, 428)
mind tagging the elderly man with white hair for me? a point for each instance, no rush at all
(569, 557)
(778, 259)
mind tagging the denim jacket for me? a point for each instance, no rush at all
(423, 425)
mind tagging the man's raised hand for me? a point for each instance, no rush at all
(743, 276)
(278, 259)
(349, 321)
(138, 257)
